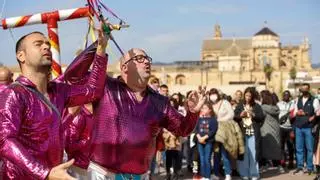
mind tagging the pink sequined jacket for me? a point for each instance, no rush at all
(31, 135)
(125, 130)
(78, 137)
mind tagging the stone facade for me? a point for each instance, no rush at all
(236, 63)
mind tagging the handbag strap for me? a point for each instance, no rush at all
(45, 100)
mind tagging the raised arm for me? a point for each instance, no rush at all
(92, 90)
(77, 71)
(178, 124)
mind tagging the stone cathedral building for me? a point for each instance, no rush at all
(236, 63)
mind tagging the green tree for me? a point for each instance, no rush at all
(268, 69)
(293, 76)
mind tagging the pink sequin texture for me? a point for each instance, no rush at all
(31, 136)
(124, 133)
(78, 138)
(125, 129)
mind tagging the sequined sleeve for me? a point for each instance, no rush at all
(77, 71)
(78, 133)
(86, 86)
(178, 124)
(11, 115)
(92, 90)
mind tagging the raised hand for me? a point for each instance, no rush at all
(196, 99)
(102, 40)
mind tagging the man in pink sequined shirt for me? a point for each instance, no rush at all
(128, 118)
(31, 136)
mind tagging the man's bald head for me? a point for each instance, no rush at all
(5, 75)
(130, 54)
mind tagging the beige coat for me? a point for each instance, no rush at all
(171, 142)
(230, 135)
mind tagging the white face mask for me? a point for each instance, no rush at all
(213, 97)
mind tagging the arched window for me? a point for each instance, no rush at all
(180, 79)
(169, 79)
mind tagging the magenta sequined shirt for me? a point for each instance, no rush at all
(125, 130)
(2, 87)
(31, 136)
(78, 137)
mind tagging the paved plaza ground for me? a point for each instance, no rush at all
(270, 174)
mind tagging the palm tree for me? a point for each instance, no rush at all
(293, 76)
(268, 69)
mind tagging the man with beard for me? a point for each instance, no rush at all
(305, 111)
(31, 139)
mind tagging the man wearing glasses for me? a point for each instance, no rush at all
(128, 118)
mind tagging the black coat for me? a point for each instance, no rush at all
(257, 122)
(315, 133)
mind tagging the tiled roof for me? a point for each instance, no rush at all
(266, 31)
(223, 44)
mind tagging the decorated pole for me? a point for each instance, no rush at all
(51, 19)
(52, 26)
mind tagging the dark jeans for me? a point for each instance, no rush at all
(173, 158)
(226, 161)
(205, 152)
(286, 140)
(190, 157)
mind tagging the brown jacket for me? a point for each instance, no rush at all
(171, 142)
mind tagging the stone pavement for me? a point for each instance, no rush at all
(270, 174)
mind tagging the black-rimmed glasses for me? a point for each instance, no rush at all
(139, 59)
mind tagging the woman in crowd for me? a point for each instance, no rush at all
(224, 112)
(250, 117)
(270, 131)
